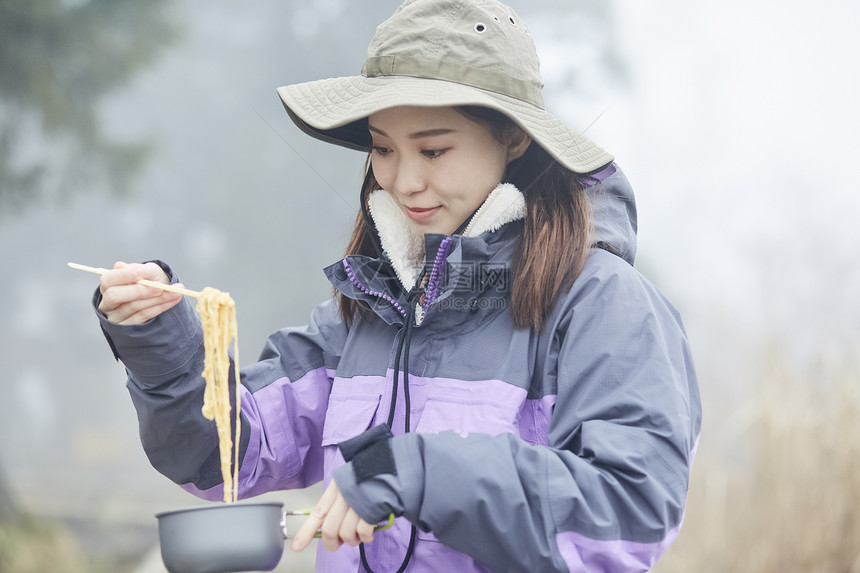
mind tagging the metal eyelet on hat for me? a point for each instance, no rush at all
(497, 19)
(480, 27)
(512, 21)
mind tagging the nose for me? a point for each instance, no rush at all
(409, 177)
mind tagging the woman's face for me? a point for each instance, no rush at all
(437, 164)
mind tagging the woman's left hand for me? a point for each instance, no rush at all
(337, 522)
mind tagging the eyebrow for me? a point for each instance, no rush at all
(417, 134)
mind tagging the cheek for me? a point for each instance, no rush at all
(484, 173)
(382, 173)
(487, 165)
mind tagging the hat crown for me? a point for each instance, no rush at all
(481, 43)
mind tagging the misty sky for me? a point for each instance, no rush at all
(736, 122)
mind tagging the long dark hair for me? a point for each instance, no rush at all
(556, 234)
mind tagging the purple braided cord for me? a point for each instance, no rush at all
(382, 295)
(436, 275)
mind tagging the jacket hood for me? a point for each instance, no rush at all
(613, 208)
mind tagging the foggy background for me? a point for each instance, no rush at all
(139, 130)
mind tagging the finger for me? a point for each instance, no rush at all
(154, 272)
(121, 274)
(124, 274)
(315, 520)
(305, 534)
(347, 530)
(119, 303)
(365, 531)
(354, 530)
(116, 296)
(151, 312)
(330, 530)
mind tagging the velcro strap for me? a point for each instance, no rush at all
(370, 453)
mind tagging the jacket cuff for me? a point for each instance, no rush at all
(158, 346)
(370, 453)
(380, 495)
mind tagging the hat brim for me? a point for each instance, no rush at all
(332, 110)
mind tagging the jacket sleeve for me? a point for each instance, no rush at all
(607, 492)
(283, 400)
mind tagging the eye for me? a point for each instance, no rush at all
(381, 151)
(434, 153)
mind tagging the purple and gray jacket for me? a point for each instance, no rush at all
(567, 449)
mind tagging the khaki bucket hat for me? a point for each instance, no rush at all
(442, 53)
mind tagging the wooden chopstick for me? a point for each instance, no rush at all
(156, 284)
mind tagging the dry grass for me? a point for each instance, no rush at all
(31, 545)
(788, 500)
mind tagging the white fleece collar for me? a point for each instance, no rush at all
(403, 243)
(503, 205)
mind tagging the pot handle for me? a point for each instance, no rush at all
(285, 513)
(283, 523)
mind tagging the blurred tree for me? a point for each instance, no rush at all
(58, 58)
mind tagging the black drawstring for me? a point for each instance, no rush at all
(412, 301)
(403, 345)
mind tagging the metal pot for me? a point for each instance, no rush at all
(222, 538)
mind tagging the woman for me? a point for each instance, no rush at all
(494, 372)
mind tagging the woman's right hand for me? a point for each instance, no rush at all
(126, 302)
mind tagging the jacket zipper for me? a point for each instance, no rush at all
(351, 274)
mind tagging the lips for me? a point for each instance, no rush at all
(419, 214)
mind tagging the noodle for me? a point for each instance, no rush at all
(218, 317)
